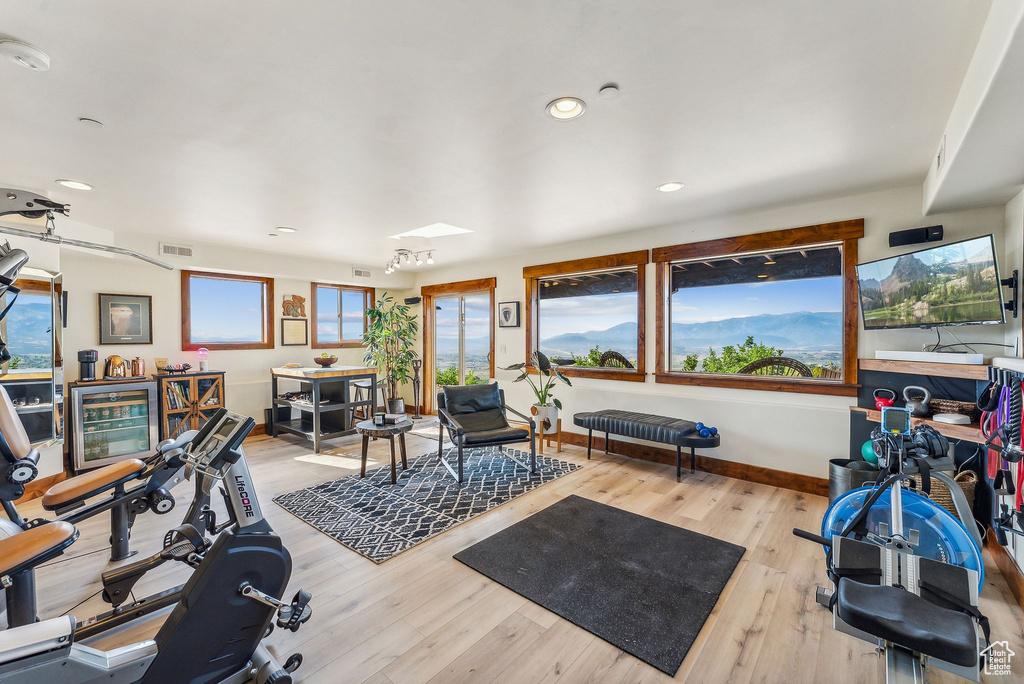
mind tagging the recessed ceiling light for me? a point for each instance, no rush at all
(565, 108)
(284, 229)
(25, 55)
(92, 123)
(671, 186)
(73, 184)
(272, 234)
(763, 275)
(769, 263)
(432, 231)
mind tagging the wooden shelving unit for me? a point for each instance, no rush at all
(943, 370)
(970, 433)
(188, 400)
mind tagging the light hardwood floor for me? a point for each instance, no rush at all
(424, 617)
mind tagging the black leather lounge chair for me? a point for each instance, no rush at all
(474, 416)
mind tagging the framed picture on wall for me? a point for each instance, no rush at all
(125, 318)
(508, 314)
(294, 332)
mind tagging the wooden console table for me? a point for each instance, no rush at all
(329, 413)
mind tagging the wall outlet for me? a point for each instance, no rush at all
(503, 349)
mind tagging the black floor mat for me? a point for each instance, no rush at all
(640, 584)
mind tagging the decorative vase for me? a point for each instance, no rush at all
(547, 419)
(396, 405)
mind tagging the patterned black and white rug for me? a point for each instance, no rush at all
(379, 520)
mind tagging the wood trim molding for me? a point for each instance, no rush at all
(36, 488)
(774, 239)
(461, 287)
(1007, 567)
(845, 232)
(429, 293)
(637, 258)
(765, 383)
(186, 311)
(807, 484)
(369, 296)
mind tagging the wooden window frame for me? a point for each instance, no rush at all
(533, 274)
(844, 233)
(186, 311)
(428, 293)
(369, 296)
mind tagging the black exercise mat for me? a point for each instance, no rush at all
(639, 584)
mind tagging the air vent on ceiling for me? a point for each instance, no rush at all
(167, 249)
(361, 272)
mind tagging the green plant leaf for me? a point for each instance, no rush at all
(557, 403)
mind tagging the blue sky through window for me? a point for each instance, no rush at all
(225, 311)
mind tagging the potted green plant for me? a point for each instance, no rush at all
(389, 339)
(547, 406)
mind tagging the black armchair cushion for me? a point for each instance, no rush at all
(479, 421)
(499, 435)
(461, 399)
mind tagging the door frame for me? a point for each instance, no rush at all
(429, 293)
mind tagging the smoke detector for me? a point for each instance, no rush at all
(25, 55)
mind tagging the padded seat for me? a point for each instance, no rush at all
(27, 549)
(906, 619)
(81, 487)
(497, 436)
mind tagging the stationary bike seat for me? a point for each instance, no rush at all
(31, 547)
(81, 487)
(906, 619)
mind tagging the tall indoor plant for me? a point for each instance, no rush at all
(389, 339)
(547, 406)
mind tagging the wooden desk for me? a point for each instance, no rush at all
(329, 414)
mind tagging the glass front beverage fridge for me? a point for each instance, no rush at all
(112, 422)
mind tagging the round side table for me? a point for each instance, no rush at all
(368, 429)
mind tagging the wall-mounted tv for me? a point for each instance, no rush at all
(954, 284)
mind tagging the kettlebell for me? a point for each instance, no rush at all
(881, 401)
(919, 406)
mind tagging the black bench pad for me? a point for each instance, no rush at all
(645, 426)
(908, 620)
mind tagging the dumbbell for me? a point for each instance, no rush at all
(706, 431)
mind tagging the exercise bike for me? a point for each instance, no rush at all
(156, 475)
(226, 608)
(906, 573)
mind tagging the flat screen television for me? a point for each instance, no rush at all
(954, 284)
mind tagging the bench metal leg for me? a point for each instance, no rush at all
(606, 442)
(693, 461)
(679, 463)
(590, 442)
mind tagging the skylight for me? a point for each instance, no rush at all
(432, 231)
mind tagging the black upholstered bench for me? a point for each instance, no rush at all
(680, 433)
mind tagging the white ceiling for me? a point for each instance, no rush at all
(352, 121)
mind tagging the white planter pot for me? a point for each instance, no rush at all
(547, 419)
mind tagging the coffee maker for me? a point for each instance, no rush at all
(87, 364)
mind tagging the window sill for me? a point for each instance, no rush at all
(762, 383)
(213, 346)
(344, 344)
(598, 373)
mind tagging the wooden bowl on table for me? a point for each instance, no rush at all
(326, 361)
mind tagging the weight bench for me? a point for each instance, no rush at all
(674, 431)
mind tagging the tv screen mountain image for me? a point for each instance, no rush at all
(953, 284)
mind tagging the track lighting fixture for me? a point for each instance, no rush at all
(409, 256)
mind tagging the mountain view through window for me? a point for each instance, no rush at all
(773, 313)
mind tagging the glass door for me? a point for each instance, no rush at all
(462, 339)
(115, 425)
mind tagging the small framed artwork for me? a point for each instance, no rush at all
(294, 332)
(125, 319)
(508, 314)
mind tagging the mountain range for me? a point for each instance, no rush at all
(799, 330)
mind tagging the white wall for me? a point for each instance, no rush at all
(785, 431)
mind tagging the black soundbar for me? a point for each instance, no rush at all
(915, 236)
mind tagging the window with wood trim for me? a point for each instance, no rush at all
(226, 311)
(588, 315)
(772, 311)
(338, 313)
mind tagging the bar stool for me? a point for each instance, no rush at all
(361, 392)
